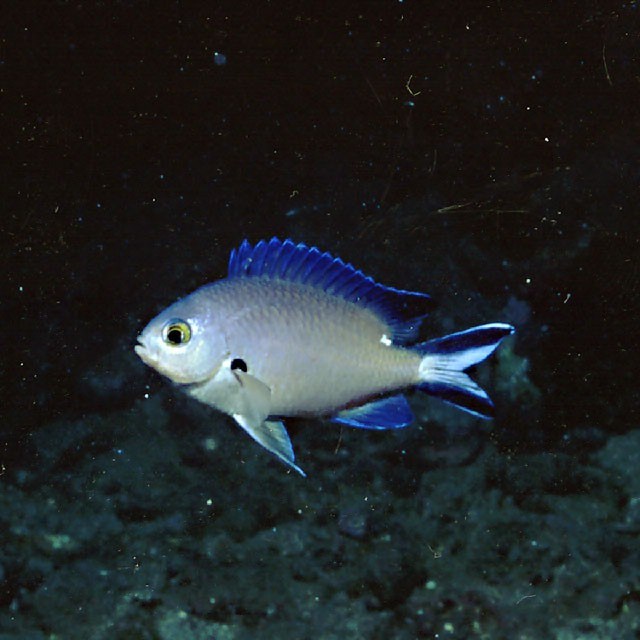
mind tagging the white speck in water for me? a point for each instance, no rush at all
(385, 340)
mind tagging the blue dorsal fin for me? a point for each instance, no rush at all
(387, 413)
(286, 260)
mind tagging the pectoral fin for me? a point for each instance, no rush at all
(252, 398)
(272, 435)
(248, 400)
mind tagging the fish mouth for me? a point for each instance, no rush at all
(143, 352)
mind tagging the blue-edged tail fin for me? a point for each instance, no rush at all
(446, 359)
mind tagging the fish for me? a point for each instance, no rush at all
(293, 332)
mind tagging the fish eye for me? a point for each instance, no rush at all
(176, 333)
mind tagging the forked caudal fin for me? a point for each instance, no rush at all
(445, 360)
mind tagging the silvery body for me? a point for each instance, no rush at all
(292, 332)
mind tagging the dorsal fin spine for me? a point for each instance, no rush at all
(288, 251)
(310, 267)
(258, 257)
(338, 269)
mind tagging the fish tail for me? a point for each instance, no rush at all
(445, 360)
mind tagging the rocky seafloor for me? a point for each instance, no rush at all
(161, 522)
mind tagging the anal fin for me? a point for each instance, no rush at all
(386, 413)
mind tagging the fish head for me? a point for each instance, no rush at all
(183, 342)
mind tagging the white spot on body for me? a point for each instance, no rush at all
(385, 340)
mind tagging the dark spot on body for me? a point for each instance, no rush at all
(239, 363)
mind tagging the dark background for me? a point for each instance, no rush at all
(134, 160)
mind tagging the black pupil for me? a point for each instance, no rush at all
(238, 363)
(175, 335)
